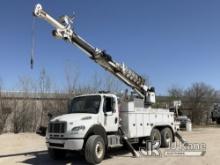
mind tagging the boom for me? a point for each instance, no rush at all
(64, 31)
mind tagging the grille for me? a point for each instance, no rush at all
(58, 127)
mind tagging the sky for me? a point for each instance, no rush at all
(173, 42)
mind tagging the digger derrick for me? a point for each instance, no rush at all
(125, 122)
(63, 30)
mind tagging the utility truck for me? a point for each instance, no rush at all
(215, 114)
(97, 122)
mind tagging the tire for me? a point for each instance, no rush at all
(218, 121)
(56, 153)
(155, 138)
(166, 137)
(94, 149)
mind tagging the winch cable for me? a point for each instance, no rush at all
(33, 43)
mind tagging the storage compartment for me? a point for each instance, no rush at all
(138, 122)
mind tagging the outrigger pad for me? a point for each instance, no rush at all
(181, 139)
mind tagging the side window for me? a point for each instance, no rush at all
(108, 104)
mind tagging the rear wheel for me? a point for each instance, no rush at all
(155, 139)
(166, 137)
(94, 149)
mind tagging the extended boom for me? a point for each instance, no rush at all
(64, 31)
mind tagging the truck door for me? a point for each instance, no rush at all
(111, 119)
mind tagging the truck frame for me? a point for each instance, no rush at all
(96, 122)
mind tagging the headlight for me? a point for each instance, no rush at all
(78, 128)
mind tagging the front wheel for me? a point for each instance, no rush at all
(94, 149)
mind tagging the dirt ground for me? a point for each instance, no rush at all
(29, 148)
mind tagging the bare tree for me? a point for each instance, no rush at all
(35, 115)
(197, 101)
(44, 86)
(16, 117)
(27, 86)
(175, 93)
(59, 104)
(200, 97)
(72, 77)
(5, 110)
(22, 115)
(97, 82)
(111, 83)
(44, 82)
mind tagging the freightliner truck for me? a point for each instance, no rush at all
(97, 122)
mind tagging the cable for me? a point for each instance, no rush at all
(33, 43)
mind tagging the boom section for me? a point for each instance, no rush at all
(63, 30)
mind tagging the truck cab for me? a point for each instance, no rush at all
(93, 114)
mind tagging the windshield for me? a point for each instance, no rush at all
(85, 104)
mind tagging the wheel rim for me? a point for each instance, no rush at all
(99, 150)
(168, 138)
(156, 140)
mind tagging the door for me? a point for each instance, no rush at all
(139, 125)
(110, 111)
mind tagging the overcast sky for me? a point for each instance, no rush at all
(174, 42)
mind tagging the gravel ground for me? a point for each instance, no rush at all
(29, 148)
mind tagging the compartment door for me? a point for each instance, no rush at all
(139, 125)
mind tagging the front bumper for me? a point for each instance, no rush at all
(66, 144)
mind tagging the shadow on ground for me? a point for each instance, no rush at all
(42, 157)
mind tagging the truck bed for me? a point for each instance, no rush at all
(138, 121)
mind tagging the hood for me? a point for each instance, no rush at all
(74, 117)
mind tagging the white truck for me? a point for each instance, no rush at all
(96, 122)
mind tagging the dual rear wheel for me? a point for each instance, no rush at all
(161, 138)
